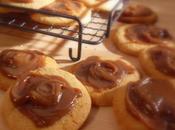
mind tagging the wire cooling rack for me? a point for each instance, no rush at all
(92, 33)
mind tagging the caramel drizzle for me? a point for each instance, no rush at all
(101, 74)
(44, 99)
(147, 34)
(68, 7)
(164, 59)
(17, 63)
(137, 11)
(150, 100)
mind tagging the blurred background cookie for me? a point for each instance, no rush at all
(159, 62)
(102, 77)
(17, 63)
(134, 38)
(71, 7)
(145, 105)
(47, 99)
(136, 13)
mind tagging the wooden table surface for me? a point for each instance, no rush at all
(100, 118)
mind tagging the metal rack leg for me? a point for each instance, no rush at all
(78, 57)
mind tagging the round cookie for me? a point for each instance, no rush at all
(32, 4)
(140, 14)
(132, 39)
(135, 105)
(71, 120)
(101, 5)
(72, 8)
(102, 77)
(16, 63)
(158, 62)
(125, 120)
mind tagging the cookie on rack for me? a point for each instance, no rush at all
(46, 99)
(17, 63)
(145, 105)
(159, 62)
(139, 14)
(134, 38)
(101, 5)
(32, 4)
(102, 77)
(71, 8)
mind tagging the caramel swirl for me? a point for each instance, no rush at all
(147, 34)
(15, 63)
(163, 59)
(44, 99)
(64, 6)
(152, 101)
(101, 74)
(137, 11)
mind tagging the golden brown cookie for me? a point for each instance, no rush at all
(17, 63)
(33, 4)
(101, 5)
(159, 62)
(71, 7)
(136, 13)
(102, 77)
(47, 99)
(145, 105)
(132, 39)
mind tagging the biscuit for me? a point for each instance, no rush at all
(70, 121)
(102, 83)
(139, 14)
(12, 67)
(132, 39)
(138, 105)
(124, 119)
(34, 4)
(158, 62)
(101, 5)
(72, 8)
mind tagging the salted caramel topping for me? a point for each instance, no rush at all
(22, 1)
(137, 11)
(15, 63)
(64, 6)
(163, 59)
(44, 99)
(147, 34)
(152, 101)
(101, 74)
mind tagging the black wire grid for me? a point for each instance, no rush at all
(92, 33)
